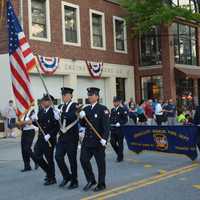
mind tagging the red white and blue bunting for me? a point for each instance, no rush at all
(48, 65)
(95, 69)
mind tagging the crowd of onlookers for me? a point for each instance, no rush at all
(158, 112)
(149, 112)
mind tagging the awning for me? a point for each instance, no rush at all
(189, 71)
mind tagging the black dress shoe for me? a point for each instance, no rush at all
(36, 166)
(64, 182)
(50, 182)
(45, 178)
(26, 169)
(99, 187)
(119, 159)
(73, 185)
(89, 186)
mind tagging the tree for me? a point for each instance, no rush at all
(143, 15)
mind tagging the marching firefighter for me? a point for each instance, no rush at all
(47, 122)
(95, 118)
(68, 140)
(118, 117)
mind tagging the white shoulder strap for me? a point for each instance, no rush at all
(69, 105)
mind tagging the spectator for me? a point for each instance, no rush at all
(170, 110)
(181, 117)
(133, 112)
(10, 117)
(148, 109)
(141, 115)
(188, 120)
(159, 113)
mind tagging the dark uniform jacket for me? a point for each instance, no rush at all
(196, 119)
(68, 114)
(118, 115)
(99, 117)
(48, 123)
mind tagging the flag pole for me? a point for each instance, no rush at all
(2, 12)
(46, 89)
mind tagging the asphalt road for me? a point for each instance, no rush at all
(149, 176)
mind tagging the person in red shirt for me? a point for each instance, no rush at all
(149, 113)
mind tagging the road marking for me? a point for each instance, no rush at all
(196, 186)
(161, 171)
(141, 183)
(147, 166)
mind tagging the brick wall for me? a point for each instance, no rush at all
(56, 47)
(3, 27)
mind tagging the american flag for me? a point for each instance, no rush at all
(21, 61)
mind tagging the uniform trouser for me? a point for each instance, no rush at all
(26, 143)
(42, 150)
(99, 154)
(117, 143)
(69, 148)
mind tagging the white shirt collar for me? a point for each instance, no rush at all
(93, 105)
(47, 109)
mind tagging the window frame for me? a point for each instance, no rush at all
(48, 24)
(116, 18)
(178, 37)
(77, 7)
(91, 11)
(158, 47)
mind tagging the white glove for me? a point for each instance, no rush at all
(56, 114)
(82, 114)
(103, 142)
(47, 137)
(34, 117)
(117, 124)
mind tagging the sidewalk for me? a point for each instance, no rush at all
(17, 131)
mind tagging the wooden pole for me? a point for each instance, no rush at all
(43, 133)
(93, 128)
(46, 89)
(2, 12)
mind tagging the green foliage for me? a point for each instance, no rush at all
(143, 15)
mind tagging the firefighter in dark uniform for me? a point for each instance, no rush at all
(68, 140)
(98, 115)
(47, 118)
(118, 117)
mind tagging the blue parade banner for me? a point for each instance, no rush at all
(169, 139)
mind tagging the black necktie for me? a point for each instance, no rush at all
(64, 108)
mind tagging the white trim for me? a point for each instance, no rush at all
(103, 29)
(115, 18)
(48, 39)
(78, 23)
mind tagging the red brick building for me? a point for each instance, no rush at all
(75, 31)
(167, 61)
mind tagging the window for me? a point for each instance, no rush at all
(150, 48)
(185, 44)
(97, 30)
(120, 87)
(120, 35)
(39, 20)
(184, 89)
(71, 24)
(190, 4)
(152, 87)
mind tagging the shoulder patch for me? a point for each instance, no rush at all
(106, 112)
